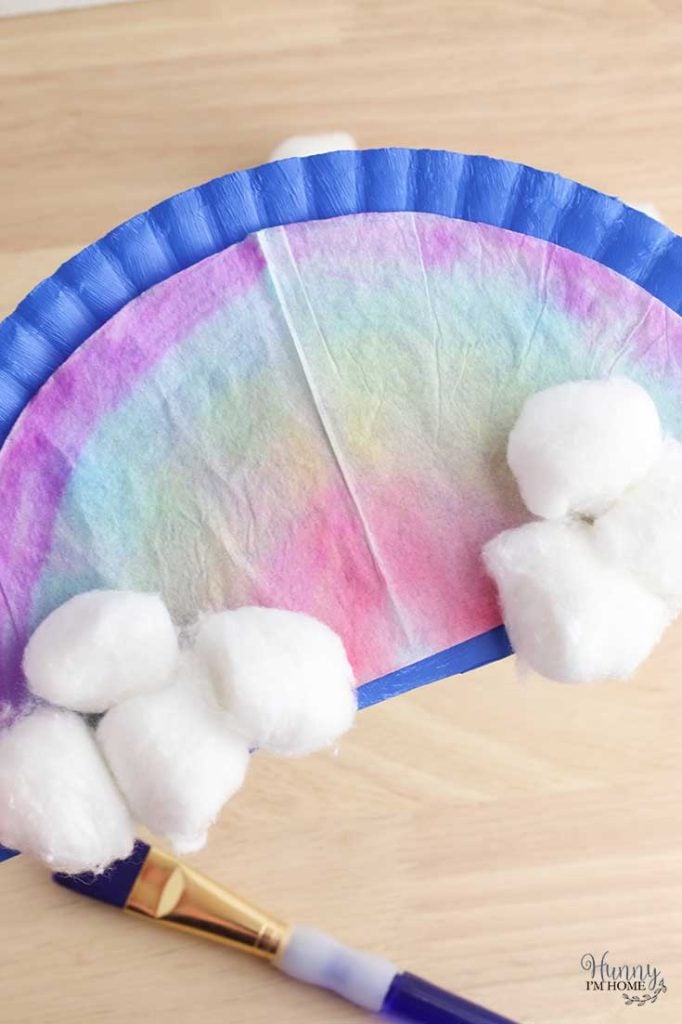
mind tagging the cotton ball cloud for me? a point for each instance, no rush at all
(283, 677)
(642, 531)
(576, 447)
(310, 145)
(570, 615)
(57, 799)
(174, 757)
(99, 648)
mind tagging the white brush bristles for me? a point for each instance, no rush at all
(576, 447)
(283, 677)
(57, 799)
(99, 648)
(174, 758)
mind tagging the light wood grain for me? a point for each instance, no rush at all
(483, 832)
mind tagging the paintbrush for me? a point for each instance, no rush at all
(154, 885)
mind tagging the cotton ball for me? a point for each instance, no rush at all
(310, 145)
(101, 647)
(571, 615)
(175, 758)
(643, 529)
(576, 447)
(57, 799)
(283, 676)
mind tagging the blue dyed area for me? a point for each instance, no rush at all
(5, 853)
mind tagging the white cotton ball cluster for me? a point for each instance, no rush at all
(283, 677)
(174, 758)
(311, 145)
(173, 743)
(99, 648)
(570, 614)
(587, 594)
(643, 530)
(576, 447)
(57, 800)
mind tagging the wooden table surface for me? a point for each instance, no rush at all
(483, 832)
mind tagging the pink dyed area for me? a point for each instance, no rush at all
(432, 540)
(428, 572)
(44, 445)
(441, 247)
(325, 567)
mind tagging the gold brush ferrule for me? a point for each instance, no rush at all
(168, 891)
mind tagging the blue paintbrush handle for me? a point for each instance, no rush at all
(417, 1000)
(374, 983)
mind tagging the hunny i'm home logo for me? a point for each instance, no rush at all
(639, 984)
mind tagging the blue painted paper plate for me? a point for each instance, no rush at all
(292, 386)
